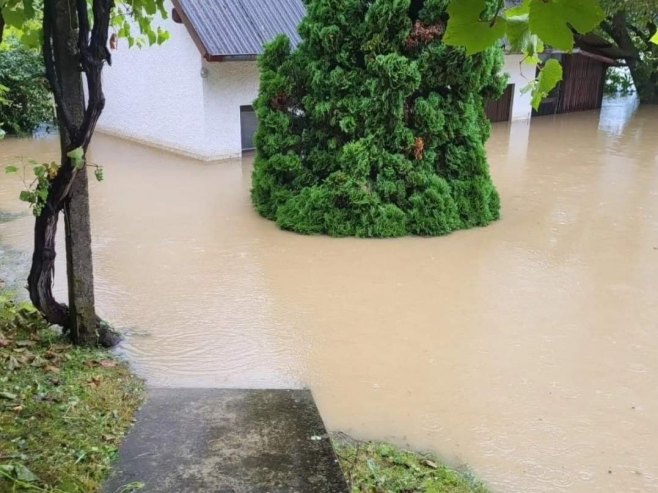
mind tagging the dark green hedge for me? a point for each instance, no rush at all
(26, 101)
(373, 127)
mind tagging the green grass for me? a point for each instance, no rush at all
(63, 410)
(382, 468)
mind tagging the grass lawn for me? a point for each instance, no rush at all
(382, 468)
(63, 410)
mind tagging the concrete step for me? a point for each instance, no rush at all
(228, 441)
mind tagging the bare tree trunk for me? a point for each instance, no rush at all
(82, 322)
(80, 271)
(69, 49)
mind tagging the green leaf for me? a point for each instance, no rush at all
(14, 17)
(521, 40)
(39, 171)
(549, 77)
(521, 9)
(32, 38)
(28, 6)
(24, 474)
(98, 172)
(553, 20)
(11, 169)
(42, 193)
(467, 28)
(163, 36)
(26, 196)
(655, 38)
(519, 37)
(77, 156)
(8, 396)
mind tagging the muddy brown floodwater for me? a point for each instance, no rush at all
(527, 350)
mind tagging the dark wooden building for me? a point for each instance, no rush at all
(583, 81)
(581, 89)
(500, 110)
(582, 85)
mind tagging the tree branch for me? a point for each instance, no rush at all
(83, 24)
(607, 28)
(646, 39)
(2, 26)
(94, 54)
(49, 62)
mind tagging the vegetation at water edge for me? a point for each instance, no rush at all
(63, 410)
(382, 468)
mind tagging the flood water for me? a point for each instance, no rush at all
(527, 350)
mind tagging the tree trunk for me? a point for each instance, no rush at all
(63, 42)
(2, 27)
(645, 78)
(79, 263)
(82, 313)
(644, 72)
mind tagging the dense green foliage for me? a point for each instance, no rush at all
(131, 20)
(26, 102)
(63, 411)
(373, 127)
(379, 467)
(619, 82)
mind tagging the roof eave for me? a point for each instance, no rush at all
(230, 58)
(586, 53)
(596, 56)
(190, 29)
(209, 57)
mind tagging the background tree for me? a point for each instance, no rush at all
(633, 26)
(75, 36)
(374, 127)
(528, 26)
(27, 101)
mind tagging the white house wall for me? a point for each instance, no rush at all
(520, 74)
(154, 95)
(227, 86)
(169, 97)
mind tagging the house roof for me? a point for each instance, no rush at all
(595, 44)
(238, 29)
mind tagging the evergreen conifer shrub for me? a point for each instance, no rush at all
(373, 127)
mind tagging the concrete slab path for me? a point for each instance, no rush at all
(228, 441)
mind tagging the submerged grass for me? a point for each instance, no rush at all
(63, 410)
(372, 467)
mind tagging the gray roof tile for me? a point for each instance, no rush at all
(240, 28)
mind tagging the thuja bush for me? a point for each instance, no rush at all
(373, 127)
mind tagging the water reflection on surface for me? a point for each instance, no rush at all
(527, 350)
